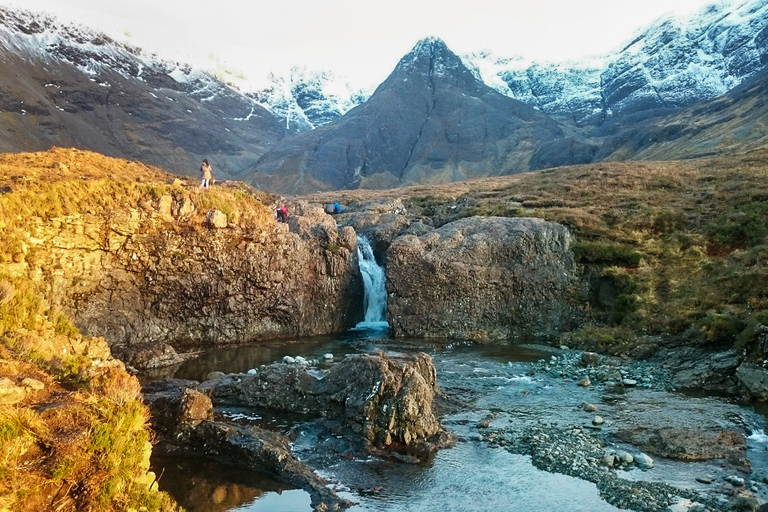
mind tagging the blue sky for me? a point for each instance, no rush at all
(360, 39)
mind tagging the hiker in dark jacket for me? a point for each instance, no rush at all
(282, 214)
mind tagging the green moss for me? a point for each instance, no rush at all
(753, 339)
(718, 328)
(64, 326)
(334, 248)
(742, 226)
(63, 469)
(606, 253)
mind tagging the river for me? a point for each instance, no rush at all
(475, 475)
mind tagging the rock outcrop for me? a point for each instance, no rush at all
(487, 278)
(147, 275)
(384, 402)
(184, 419)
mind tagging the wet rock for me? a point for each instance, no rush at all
(745, 504)
(328, 357)
(386, 402)
(608, 460)
(481, 278)
(630, 383)
(176, 410)
(689, 444)
(755, 379)
(214, 375)
(624, 457)
(705, 479)
(590, 359)
(215, 219)
(486, 422)
(597, 421)
(588, 407)
(696, 368)
(149, 355)
(585, 382)
(643, 461)
(734, 480)
(183, 418)
(289, 360)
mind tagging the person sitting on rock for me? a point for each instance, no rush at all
(206, 172)
(282, 214)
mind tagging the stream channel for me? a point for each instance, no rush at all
(513, 390)
(474, 475)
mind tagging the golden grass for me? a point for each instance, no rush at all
(699, 227)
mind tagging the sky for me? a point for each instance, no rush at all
(360, 40)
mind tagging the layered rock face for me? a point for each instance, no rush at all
(486, 278)
(142, 275)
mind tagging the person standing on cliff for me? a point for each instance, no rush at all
(206, 173)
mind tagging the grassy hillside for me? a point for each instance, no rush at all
(78, 440)
(671, 248)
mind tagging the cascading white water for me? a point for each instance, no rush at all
(375, 292)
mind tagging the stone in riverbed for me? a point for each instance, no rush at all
(585, 382)
(624, 457)
(214, 375)
(289, 360)
(705, 479)
(588, 407)
(328, 357)
(629, 382)
(643, 461)
(597, 421)
(608, 460)
(590, 359)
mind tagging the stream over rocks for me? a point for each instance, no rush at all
(527, 437)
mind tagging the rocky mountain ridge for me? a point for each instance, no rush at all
(673, 63)
(430, 121)
(70, 86)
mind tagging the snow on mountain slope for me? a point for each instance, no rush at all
(306, 99)
(673, 63)
(71, 86)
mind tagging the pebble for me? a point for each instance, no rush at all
(328, 357)
(597, 420)
(476, 437)
(624, 457)
(608, 460)
(705, 479)
(643, 461)
(214, 375)
(735, 480)
(252, 371)
(588, 407)
(288, 360)
(585, 382)
(629, 382)
(300, 360)
(590, 359)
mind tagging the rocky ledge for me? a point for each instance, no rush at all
(486, 278)
(381, 404)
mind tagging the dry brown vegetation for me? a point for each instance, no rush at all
(82, 442)
(685, 243)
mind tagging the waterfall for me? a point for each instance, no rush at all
(375, 293)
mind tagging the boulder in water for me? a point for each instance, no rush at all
(481, 278)
(383, 401)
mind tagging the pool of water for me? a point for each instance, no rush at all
(471, 476)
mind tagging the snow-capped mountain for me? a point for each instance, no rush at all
(430, 121)
(673, 63)
(306, 99)
(72, 86)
